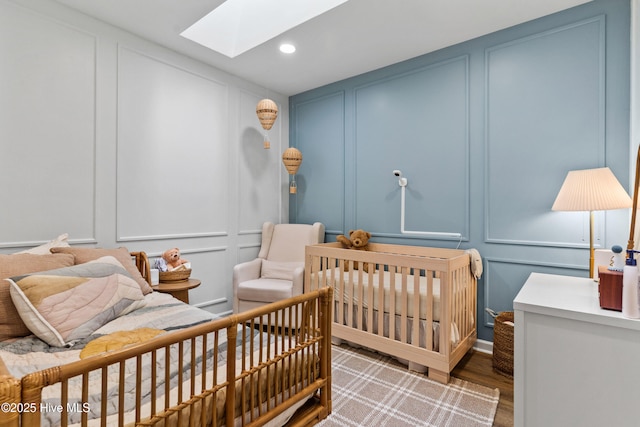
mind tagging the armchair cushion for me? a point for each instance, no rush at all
(279, 269)
(264, 290)
(286, 242)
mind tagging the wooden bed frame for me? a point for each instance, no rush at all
(413, 266)
(21, 397)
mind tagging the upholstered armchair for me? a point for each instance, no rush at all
(278, 272)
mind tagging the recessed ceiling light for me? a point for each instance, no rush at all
(239, 25)
(287, 48)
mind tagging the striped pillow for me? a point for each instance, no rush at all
(65, 305)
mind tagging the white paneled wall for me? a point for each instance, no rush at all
(120, 142)
(173, 128)
(47, 126)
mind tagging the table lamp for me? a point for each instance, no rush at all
(591, 190)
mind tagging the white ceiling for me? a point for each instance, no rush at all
(351, 39)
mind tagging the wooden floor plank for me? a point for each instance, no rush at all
(477, 367)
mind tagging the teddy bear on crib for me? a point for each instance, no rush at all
(358, 240)
(173, 260)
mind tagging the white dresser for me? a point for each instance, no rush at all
(575, 364)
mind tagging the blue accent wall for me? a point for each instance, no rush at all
(485, 132)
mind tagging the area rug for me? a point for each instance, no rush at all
(370, 389)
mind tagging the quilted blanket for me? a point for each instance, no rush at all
(161, 313)
(67, 304)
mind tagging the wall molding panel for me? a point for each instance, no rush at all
(259, 174)
(553, 80)
(504, 277)
(209, 304)
(426, 109)
(319, 131)
(173, 130)
(48, 126)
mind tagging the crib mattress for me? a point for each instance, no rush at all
(356, 287)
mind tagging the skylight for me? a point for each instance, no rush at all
(239, 25)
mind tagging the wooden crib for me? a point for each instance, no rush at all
(415, 303)
(203, 375)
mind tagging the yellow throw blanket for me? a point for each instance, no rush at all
(118, 340)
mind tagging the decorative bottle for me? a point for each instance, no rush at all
(630, 308)
(617, 260)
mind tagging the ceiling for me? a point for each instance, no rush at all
(351, 39)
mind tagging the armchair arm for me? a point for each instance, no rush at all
(247, 271)
(298, 281)
(242, 272)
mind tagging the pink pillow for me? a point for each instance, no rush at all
(11, 325)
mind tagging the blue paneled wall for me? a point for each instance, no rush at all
(485, 132)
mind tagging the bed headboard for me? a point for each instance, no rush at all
(142, 263)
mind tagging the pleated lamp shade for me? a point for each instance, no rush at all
(591, 190)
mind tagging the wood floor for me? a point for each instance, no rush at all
(477, 367)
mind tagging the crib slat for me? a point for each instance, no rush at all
(415, 339)
(64, 399)
(338, 284)
(381, 301)
(360, 290)
(193, 364)
(445, 314)
(392, 302)
(180, 370)
(121, 377)
(405, 301)
(203, 376)
(369, 298)
(85, 398)
(167, 376)
(429, 301)
(103, 393)
(350, 292)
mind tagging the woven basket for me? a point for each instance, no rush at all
(175, 276)
(503, 343)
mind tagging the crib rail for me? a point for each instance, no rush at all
(386, 299)
(179, 379)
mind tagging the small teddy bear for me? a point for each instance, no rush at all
(358, 240)
(173, 259)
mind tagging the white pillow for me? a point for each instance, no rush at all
(58, 242)
(279, 270)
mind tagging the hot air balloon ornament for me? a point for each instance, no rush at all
(267, 112)
(292, 158)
